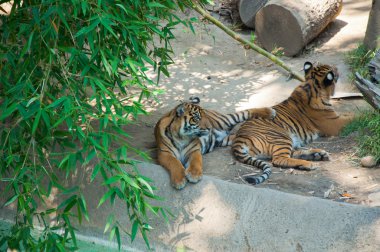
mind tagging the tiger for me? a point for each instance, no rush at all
(304, 116)
(188, 131)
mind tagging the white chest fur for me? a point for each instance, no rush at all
(298, 142)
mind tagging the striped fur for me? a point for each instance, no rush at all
(300, 119)
(188, 131)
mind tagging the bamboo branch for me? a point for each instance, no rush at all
(245, 42)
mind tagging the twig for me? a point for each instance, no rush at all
(245, 42)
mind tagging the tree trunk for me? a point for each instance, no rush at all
(291, 24)
(372, 34)
(248, 10)
(370, 88)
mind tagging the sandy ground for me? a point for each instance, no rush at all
(229, 78)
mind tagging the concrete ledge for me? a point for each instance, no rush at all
(216, 215)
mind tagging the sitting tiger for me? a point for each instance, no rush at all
(300, 119)
(188, 131)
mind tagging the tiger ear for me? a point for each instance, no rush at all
(180, 110)
(329, 79)
(194, 100)
(307, 67)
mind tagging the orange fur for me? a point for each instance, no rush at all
(188, 131)
(300, 119)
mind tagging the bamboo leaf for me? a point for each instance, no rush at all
(68, 203)
(27, 46)
(110, 219)
(89, 28)
(135, 227)
(95, 172)
(90, 156)
(83, 205)
(112, 180)
(36, 122)
(8, 111)
(11, 200)
(57, 102)
(105, 197)
(117, 233)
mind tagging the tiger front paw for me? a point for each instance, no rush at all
(194, 175)
(310, 166)
(179, 180)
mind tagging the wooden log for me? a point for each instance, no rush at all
(248, 10)
(371, 88)
(370, 91)
(291, 24)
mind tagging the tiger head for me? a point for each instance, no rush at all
(189, 119)
(323, 77)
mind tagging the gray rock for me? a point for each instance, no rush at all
(368, 161)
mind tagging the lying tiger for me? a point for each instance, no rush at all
(188, 131)
(300, 119)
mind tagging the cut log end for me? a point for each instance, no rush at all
(291, 24)
(248, 10)
(278, 27)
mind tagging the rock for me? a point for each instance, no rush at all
(368, 161)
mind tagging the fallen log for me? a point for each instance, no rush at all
(248, 10)
(291, 24)
(371, 88)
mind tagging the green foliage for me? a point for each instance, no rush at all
(368, 127)
(368, 124)
(72, 73)
(358, 59)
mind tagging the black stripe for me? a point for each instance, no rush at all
(233, 116)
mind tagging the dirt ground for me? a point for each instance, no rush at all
(227, 78)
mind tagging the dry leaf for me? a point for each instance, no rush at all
(348, 195)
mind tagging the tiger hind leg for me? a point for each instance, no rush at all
(311, 154)
(281, 153)
(288, 162)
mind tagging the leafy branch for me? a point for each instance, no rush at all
(73, 74)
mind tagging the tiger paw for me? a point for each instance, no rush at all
(180, 185)
(194, 176)
(321, 156)
(179, 181)
(308, 167)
